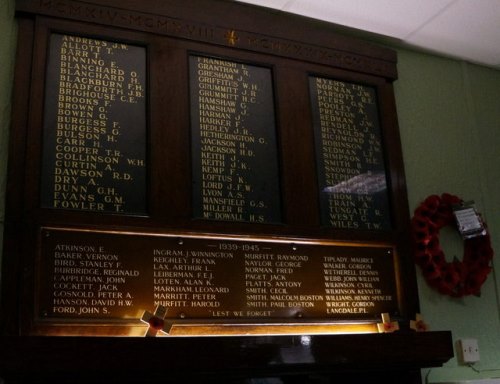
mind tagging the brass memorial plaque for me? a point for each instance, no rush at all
(349, 155)
(102, 277)
(94, 133)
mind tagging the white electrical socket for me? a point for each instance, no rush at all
(468, 351)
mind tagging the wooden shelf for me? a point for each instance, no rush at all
(117, 359)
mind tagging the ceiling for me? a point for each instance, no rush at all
(463, 29)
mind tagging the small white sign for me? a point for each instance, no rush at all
(469, 222)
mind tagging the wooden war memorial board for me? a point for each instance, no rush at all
(231, 176)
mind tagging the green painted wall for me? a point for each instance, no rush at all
(449, 119)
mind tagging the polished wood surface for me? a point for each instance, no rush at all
(113, 360)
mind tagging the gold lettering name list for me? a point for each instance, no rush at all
(89, 281)
(89, 168)
(231, 143)
(117, 276)
(350, 151)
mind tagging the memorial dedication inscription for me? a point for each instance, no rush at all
(94, 132)
(102, 276)
(349, 155)
(234, 150)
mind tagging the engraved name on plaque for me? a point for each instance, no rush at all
(104, 276)
(94, 131)
(234, 149)
(349, 154)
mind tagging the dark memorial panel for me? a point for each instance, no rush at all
(234, 150)
(104, 276)
(162, 161)
(349, 155)
(94, 133)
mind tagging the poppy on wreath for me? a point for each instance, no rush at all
(457, 278)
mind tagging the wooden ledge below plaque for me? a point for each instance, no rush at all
(387, 358)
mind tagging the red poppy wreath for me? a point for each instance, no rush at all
(456, 278)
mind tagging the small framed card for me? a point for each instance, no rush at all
(468, 220)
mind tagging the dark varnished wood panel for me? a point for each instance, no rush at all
(302, 41)
(49, 359)
(293, 48)
(169, 153)
(14, 225)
